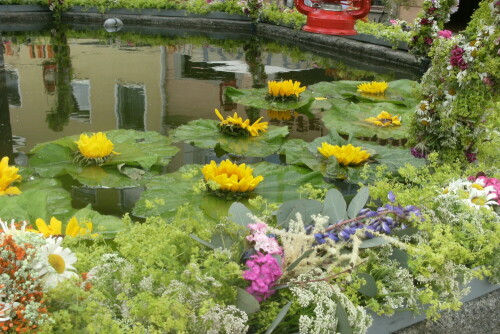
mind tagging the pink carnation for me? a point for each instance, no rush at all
(445, 34)
(263, 271)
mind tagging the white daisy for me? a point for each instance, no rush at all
(55, 264)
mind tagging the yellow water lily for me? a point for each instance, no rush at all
(384, 119)
(373, 88)
(8, 175)
(284, 89)
(347, 155)
(94, 149)
(281, 115)
(231, 177)
(73, 228)
(235, 126)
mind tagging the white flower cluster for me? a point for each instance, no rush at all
(221, 320)
(325, 298)
(473, 194)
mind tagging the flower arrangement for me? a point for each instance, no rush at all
(94, 150)
(8, 175)
(429, 24)
(457, 109)
(230, 178)
(284, 90)
(235, 126)
(373, 88)
(347, 155)
(384, 119)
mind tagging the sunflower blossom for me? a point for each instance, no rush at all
(73, 228)
(8, 175)
(284, 89)
(347, 155)
(230, 177)
(235, 126)
(94, 149)
(373, 88)
(384, 119)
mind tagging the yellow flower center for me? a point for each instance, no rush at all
(95, 146)
(373, 88)
(57, 262)
(479, 201)
(231, 177)
(285, 89)
(8, 175)
(347, 155)
(384, 119)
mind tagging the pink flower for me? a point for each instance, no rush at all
(393, 22)
(258, 227)
(445, 34)
(263, 271)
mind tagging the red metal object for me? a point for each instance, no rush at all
(333, 17)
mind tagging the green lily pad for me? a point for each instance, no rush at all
(399, 92)
(204, 133)
(102, 224)
(256, 97)
(165, 193)
(143, 150)
(39, 198)
(350, 119)
(299, 152)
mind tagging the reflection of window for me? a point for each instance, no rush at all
(13, 91)
(130, 106)
(81, 93)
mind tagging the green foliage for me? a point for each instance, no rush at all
(287, 17)
(394, 34)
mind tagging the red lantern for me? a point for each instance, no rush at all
(333, 17)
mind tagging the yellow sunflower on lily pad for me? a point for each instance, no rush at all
(229, 177)
(384, 119)
(347, 155)
(373, 88)
(285, 90)
(94, 150)
(235, 126)
(8, 175)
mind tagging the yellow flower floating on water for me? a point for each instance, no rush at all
(373, 88)
(73, 229)
(235, 126)
(94, 150)
(8, 175)
(384, 119)
(285, 89)
(231, 177)
(347, 155)
(281, 115)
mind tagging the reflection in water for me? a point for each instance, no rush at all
(130, 106)
(62, 71)
(5, 127)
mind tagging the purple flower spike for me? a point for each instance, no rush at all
(391, 196)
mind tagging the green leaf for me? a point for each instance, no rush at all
(281, 315)
(204, 133)
(106, 225)
(222, 240)
(256, 97)
(343, 325)
(289, 210)
(370, 287)
(334, 206)
(299, 259)
(203, 242)
(400, 256)
(373, 242)
(239, 214)
(358, 202)
(246, 302)
(165, 193)
(136, 148)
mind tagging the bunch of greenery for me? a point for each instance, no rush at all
(459, 106)
(283, 16)
(434, 14)
(393, 33)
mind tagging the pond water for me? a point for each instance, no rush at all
(67, 82)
